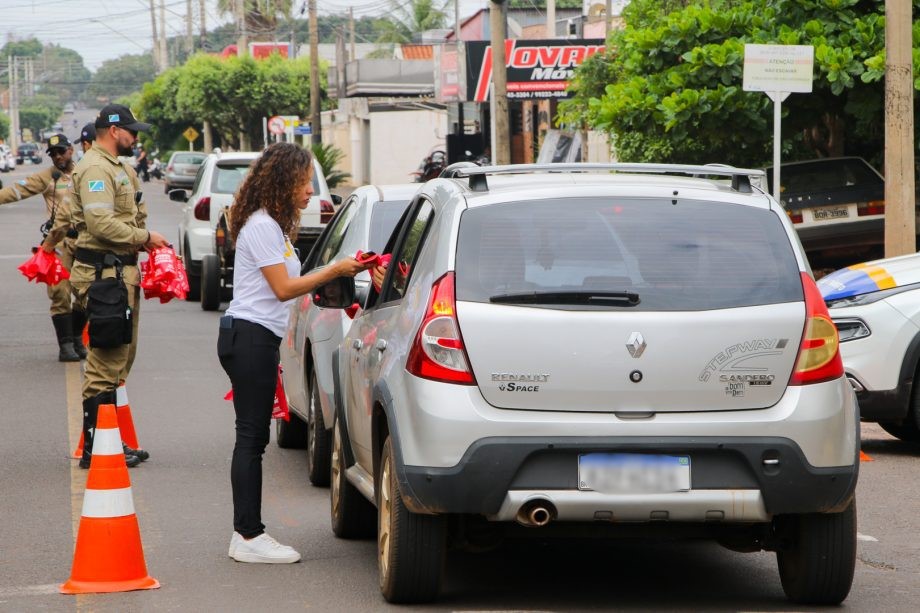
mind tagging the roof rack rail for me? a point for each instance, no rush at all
(741, 177)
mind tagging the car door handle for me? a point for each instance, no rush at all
(357, 344)
(381, 345)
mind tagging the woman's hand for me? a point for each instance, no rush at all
(377, 276)
(349, 267)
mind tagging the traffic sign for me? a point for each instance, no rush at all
(276, 125)
(190, 134)
(303, 130)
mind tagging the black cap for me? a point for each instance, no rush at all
(87, 134)
(57, 141)
(121, 116)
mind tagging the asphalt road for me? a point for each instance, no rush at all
(182, 496)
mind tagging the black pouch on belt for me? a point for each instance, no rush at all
(108, 312)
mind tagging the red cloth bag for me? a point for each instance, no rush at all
(280, 409)
(44, 267)
(163, 275)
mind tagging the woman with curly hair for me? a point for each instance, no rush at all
(265, 276)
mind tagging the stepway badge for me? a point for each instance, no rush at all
(96, 186)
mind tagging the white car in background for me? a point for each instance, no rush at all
(215, 186)
(876, 307)
(7, 159)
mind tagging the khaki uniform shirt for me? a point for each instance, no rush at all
(104, 210)
(57, 196)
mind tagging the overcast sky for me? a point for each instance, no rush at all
(105, 29)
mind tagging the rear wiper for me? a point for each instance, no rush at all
(569, 297)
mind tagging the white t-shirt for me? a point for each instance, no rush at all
(261, 243)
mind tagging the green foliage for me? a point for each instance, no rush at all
(232, 94)
(120, 77)
(30, 47)
(669, 86)
(406, 19)
(329, 157)
(39, 112)
(4, 126)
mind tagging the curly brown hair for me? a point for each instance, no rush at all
(270, 185)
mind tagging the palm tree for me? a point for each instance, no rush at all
(261, 16)
(408, 19)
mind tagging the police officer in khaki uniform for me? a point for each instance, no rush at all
(54, 184)
(106, 214)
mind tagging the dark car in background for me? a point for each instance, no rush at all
(28, 152)
(182, 168)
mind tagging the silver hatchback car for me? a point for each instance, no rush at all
(635, 349)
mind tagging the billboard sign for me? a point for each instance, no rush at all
(537, 69)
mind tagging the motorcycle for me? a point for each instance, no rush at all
(431, 166)
(156, 168)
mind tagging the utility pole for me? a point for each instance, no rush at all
(13, 63)
(351, 33)
(457, 20)
(164, 52)
(501, 147)
(155, 49)
(189, 41)
(315, 118)
(607, 11)
(900, 228)
(242, 44)
(551, 18)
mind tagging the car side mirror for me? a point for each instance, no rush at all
(336, 199)
(337, 294)
(178, 195)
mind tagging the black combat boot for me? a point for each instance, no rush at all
(64, 331)
(90, 413)
(78, 322)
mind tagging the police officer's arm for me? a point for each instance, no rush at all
(142, 205)
(61, 225)
(28, 187)
(97, 195)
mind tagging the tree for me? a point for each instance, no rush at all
(39, 112)
(29, 47)
(260, 16)
(669, 89)
(4, 127)
(63, 73)
(407, 19)
(120, 77)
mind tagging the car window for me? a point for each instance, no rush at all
(674, 257)
(825, 175)
(384, 216)
(198, 176)
(228, 176)
(188, 158)
(399, 271)
(336, 234)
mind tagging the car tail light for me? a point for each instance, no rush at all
(203, 209)
(169, 168)
(795, 216)
(219, 236)
(873, 207)
(819, 353)
(326, 211)
(438, 352)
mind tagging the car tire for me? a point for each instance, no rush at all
(817, 566)
(318, 440)
(194, 280)
(410, 546)
(909, 428)
(210, 282)
(291, 434)
(352, 514)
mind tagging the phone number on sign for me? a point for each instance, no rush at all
(527, 95)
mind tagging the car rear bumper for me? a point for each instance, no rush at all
(180, 181)
(730, 480)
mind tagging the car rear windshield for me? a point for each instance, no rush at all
(227, 177)
(188, 158)
(825, 175)
(384, 216)
(640, 254)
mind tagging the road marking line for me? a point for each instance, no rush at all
(73, 381)
(28, 590)
(865, 537)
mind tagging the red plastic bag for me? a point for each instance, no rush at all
(163, 276)
(280, 408)
(44, 267)
(376, 258)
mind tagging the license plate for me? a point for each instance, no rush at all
(633, 473)
(830, 212)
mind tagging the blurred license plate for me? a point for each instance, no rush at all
(830, 212)
(633, 473)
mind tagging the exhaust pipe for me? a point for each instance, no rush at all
(536, 513)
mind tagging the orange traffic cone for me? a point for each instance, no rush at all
(125, 422)
(109, 556)
(865, 457)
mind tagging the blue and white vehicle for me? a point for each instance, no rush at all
(876, 306)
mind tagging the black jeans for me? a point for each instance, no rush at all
(248, 353)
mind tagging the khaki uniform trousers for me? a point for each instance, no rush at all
(60, 293)
(106, 368)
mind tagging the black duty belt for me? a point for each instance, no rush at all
(104, 258)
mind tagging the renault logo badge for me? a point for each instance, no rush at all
(635, 344)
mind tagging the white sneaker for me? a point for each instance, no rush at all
(263, 549)
(234, 541)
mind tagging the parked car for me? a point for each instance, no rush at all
(28, 152)
(182, 168)
(876, 307)
(7, 159)
(364, 222)
(213, 275)
(621, 354)
(834, 203)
